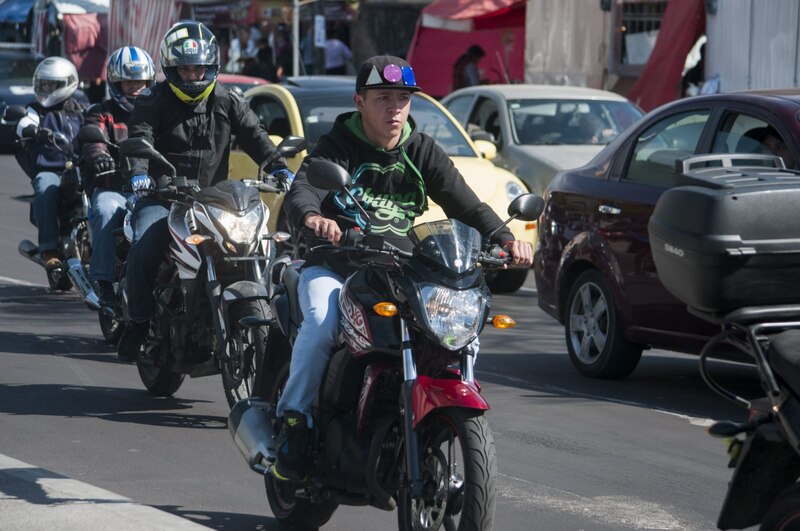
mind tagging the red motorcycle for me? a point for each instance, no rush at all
(400, 418)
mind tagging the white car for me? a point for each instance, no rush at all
(540, 130)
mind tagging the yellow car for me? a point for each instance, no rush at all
(308, 106)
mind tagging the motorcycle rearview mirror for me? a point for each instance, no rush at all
(328, 175)
(92, 134)
(142, 149)
(292, 145)
(13, 114)
(526, 207)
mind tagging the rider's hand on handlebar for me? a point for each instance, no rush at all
(103, 165)
(44, 136)
(142, 185)
(521, 253)
(324, 227)
(284, 175)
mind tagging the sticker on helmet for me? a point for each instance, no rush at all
(190, 46)
(392, 73)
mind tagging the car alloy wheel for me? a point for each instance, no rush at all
(596, 343)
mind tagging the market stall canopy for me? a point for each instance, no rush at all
(15, 11)
(660, 82)
(446, 28)
(469, 15)
(84, 38)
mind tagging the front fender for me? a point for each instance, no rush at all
(243, 290)
(428, 394)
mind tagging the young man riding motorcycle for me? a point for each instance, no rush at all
(57, 111)
(128, 72)
(189, 119)
(394, 168)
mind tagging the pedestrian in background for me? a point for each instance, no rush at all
(465, 69)
(337, 54)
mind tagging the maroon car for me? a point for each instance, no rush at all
(593, 267)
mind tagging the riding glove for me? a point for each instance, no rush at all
(44, 136)
(285, 175)
(103, 165)
(142, 185)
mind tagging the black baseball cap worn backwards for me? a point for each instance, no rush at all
(386, 71)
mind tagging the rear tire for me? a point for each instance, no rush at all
(287, 509)
(245, 347)
(473, 504)
(784, 513)
(596, 343)
(160, 381)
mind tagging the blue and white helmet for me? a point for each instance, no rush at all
(127, 64)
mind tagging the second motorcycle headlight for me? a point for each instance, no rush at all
(453, 315)
(240, 229)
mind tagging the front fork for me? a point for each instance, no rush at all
(413, 465)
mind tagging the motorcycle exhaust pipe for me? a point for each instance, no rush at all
(29, 250)
(77, 274)
(251, 428)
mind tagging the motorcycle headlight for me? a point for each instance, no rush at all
(240, 229)
(514, 190)
(453, 315)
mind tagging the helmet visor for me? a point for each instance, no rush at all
(192, 52)
(45, 87)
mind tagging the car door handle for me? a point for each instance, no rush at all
(605, 209)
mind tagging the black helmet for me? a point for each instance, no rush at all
(190, 43)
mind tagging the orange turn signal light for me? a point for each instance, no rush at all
(530, 226)
(503, 321)
(385, 309)
(196, 239)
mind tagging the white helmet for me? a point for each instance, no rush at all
(128, 63)
(54, 80)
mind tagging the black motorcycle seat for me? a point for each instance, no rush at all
(784, 357)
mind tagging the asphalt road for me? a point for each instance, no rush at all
(573, 453)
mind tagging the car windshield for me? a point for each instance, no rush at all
(571, 122)
(320, 111)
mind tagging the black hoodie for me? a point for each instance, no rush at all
(391, 184)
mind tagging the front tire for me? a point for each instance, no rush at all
(596, 343)
(454, 442)
(245, 346)
(784, 513)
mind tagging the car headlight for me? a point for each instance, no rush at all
(453, 315)
(240, 229)
(514, 190)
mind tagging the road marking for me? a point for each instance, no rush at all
(35, 498)
(18, 282)
(618, 511)
(527, 290)
(695, 421)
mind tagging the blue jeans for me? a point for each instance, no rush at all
(108, 214)
(150, 240)
(46, 203)
(318, 294)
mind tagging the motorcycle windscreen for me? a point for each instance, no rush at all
(449, 243)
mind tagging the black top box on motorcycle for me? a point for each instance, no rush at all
(729, 237)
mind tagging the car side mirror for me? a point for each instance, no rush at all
(482, 134)
(487, 149)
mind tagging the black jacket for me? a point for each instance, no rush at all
(112, 119)
(197, 139)
(392, 185)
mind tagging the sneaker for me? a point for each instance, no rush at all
(105, 291)
(290, 464)
(131, 341)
